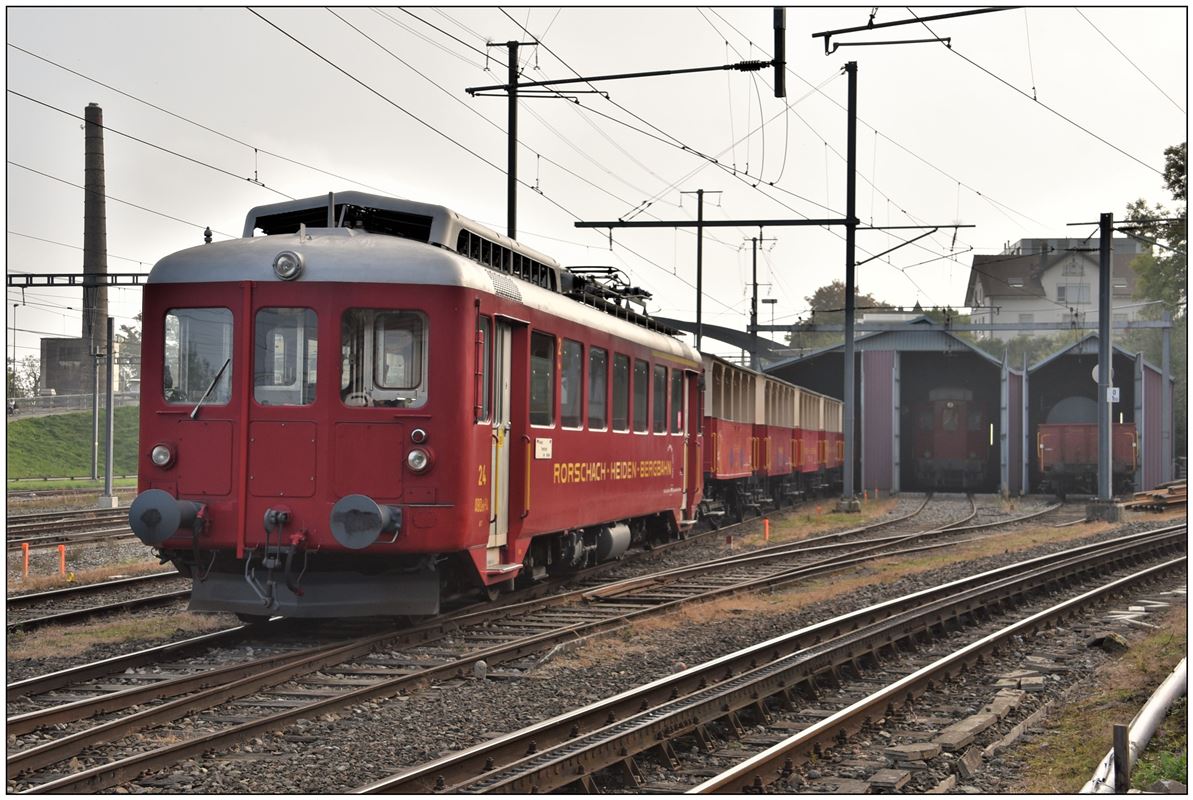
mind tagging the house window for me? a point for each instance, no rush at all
(1027, 317)
(1075, 293)
(1074, 267)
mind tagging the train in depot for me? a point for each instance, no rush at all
(365, 405)
(1067, 449)
(951, 440)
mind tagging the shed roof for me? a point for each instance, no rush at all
(921, 334)
(1085, 346)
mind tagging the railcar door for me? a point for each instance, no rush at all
(692, 421)
(500, 459)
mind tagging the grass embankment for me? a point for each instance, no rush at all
(1063, 757)
(59, 445)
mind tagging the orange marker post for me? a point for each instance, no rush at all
(62, 559)
(25, 552)
(729, 540)
(766, 530)
(865, 495)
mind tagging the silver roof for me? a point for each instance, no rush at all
(344, 255)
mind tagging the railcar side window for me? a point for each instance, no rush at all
(621, 392)
(542, 379)
(383, 357)
(641, 386)
(598, 388)
(198, 350)
(676, 401)
(571, 385)
(659, 423)
(285, 346)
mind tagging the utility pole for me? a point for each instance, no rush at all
(512, 155)
(95, 357)
(1105, 355)
(754, 240)
(848, 500)
(108, 499)
(699, 261)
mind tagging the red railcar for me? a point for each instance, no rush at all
(952, 440)
(377, 403)
(1068, 456)
(767, 441)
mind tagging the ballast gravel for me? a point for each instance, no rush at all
(339, 752)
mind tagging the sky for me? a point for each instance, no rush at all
(1027, 121)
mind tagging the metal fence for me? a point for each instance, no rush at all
(72, 402)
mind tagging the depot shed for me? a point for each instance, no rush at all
(895, 370)
(1063, 388)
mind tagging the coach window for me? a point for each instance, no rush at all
(598, 389)
(483, 390)
(383, 358)
(571, 385)
(641, 388)
(659, 422)
(198, 356)
(621, 392)
(542, 379)
(949, 417)
(677, 401)
(285, 345)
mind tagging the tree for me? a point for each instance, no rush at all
(1163, 276)
(828, 307)
(130, 353)
(25, 378)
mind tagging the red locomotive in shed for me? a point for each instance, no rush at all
(1068, 456)
(952, 440)
(366, 405)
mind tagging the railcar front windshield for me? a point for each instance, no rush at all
(285, 352)
(198, 345)
(383, 358)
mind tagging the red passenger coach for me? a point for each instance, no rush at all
(375, 403)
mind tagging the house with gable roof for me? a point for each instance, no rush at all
(1049, 280)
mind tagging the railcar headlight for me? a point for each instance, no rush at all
(418, 460)
(162, 455)
(287, 265)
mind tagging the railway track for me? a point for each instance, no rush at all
(241, 702)
(74, 604)
(66, 527)
(566, 752)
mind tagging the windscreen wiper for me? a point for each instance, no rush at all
(214, 381)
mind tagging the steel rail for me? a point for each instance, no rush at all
(86, 537)
(103, 776)
(55, 751)
(474, 761)
(77, 614)
(607, 746)
(29, 598)
(754, 772)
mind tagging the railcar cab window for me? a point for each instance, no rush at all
(598, 389)
(641, 387)
(285, 350)
(571, 385)
(383, 358)
(542, 379)
(198, 349)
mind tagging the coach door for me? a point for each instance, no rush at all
(500, 461)
(692, 421)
